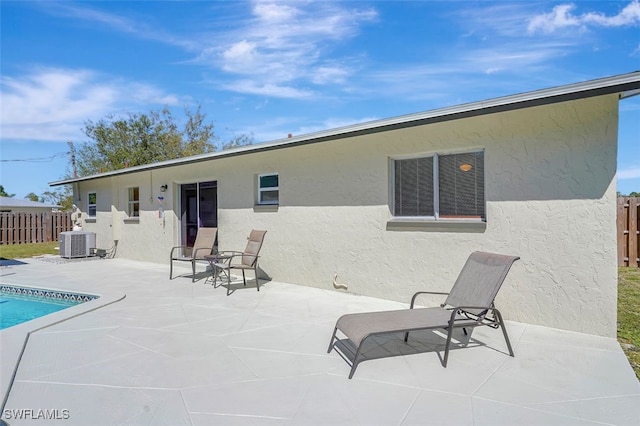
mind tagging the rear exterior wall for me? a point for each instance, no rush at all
(550, 199)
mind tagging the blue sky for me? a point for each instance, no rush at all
(269, 68)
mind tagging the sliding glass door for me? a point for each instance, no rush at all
(198, 208)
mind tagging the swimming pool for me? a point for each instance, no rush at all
(22, 304)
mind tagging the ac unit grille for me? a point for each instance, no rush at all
(77, 243)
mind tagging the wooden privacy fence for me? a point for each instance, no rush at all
(25, 228)
(628, 231)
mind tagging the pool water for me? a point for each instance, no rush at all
(16, 309)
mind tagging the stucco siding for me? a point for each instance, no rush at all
(550, 198)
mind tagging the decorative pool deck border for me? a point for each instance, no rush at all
(44, 293)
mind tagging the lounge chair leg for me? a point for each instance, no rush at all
(504, 330)
(333, 337)
(354, 365)
(171, 269)
(446, 348)
(244, 279)
(193, 268)
(406, 337)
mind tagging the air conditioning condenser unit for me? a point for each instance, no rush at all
(77, 243)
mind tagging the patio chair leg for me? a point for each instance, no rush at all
(193, 268)
(244, 279)
(171, 269)
(255, 272)
(504, 330)
(406, 337)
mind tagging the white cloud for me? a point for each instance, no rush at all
(563, 17)
(267, 89)
(285, 44)
(279, 47)
(630, 15)
(142, 29)
(53, 104)
(629, 173)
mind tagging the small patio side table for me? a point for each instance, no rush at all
(215, 259)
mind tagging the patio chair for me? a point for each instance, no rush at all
(225, 261)
(469, 304)
(203, 246)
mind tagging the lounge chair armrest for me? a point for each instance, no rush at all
(229, 255)
(413, 299)
(173, 249)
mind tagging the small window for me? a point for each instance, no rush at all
(268, 189)
(92, 201)
(134, 202)
(449, 186)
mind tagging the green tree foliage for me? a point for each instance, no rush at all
(32, 197)
(143, 139)
(237, 141)
(3, 193)
(61, 196)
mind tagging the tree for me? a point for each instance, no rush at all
(32, 196)
(237, 141)
(3, 193)
(61, 197)
(143, 139)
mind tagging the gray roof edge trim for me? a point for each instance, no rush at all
(623, 84)
(630, 93)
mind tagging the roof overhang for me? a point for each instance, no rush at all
(625, 85)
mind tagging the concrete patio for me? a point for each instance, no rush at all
(176, 352)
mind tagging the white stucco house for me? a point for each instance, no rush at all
(16, 205)
(395, 206)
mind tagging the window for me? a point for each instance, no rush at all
(449, 186)
(134, 202)
(92, 201)
(268, 190)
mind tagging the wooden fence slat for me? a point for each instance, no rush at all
(620, 227)
(633, 232)
(47, 227)
(628, 231)
(25, 228)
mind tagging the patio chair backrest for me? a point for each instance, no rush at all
(205, 239)
(480, 279)
(250, 253)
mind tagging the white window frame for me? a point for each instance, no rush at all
(436, 187)
(261, 190)
(90, 205)
(131, 211)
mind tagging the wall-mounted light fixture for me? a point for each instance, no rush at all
(163, 188)
(465, 167)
